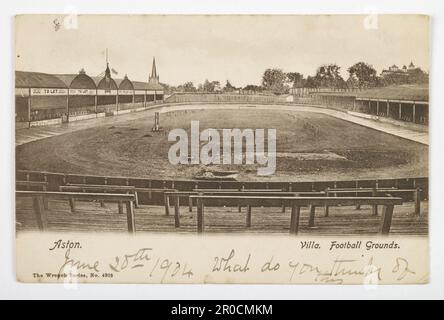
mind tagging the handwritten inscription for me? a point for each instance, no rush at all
(154, 266)
(228, 263)
(309, 261)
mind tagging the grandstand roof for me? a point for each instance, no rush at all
(140, 85)
(154, 86)
(77, 81)
(25, 79)
(126, 84)
(66, 78)
(106, 83)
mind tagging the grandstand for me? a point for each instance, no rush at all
(44, 99)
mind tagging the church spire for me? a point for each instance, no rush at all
(154, 77)
(107, 71)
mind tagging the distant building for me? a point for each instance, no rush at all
(395, 70)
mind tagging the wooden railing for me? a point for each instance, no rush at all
(296, 203)
(55, 180)
(39, 198)
(375, 192)
(113, 188)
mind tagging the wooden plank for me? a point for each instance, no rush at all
(417, 196)
(31, 183)
(176, 212)
(311, 222)
(136, 199)
(294, 221)
(248, 217)
(130, 217)
(39, 211)
(72, 205)
(326, 208)
(386, 220)
(109, 197)
(370, 190)
(238, 190)
(167, 204)
(375, 206)
(200, 215)
(304, 201)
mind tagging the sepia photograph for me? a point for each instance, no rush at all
(195, 132)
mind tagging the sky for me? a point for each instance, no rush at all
(235, 48)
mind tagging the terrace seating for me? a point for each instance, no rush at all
(152, 219)
(40, 196)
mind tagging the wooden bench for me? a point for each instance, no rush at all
(40, 184)
(73, 187)
(176, 195)
(39, 197)
(298, 202)
(375, 192)
(240, 189)
(179, 194)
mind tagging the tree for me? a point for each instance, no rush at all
(296, 79)
(229, 87)
(253, 88)
(364, 73)
(189, 87)
(274, 81)
(352, 82)
(211, 86)
(417, 76)
(310, 82)
(329, 76)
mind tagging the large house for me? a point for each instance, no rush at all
(395, 70)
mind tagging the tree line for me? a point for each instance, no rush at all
(360, 75)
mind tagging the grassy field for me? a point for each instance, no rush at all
(132, 149)
(418, 92)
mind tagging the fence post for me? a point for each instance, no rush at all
(190, 204)
(388, 108)
(200, 215)
(176, 211)
(167, 204)
(375, 206)
(248, 218)
(29, 107)
(418, 201)
(386, 219)
(294, 220)
(39, 211)
(130, 217)
(326, 208)
(312, 216)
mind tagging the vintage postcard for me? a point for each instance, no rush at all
(268, 149)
